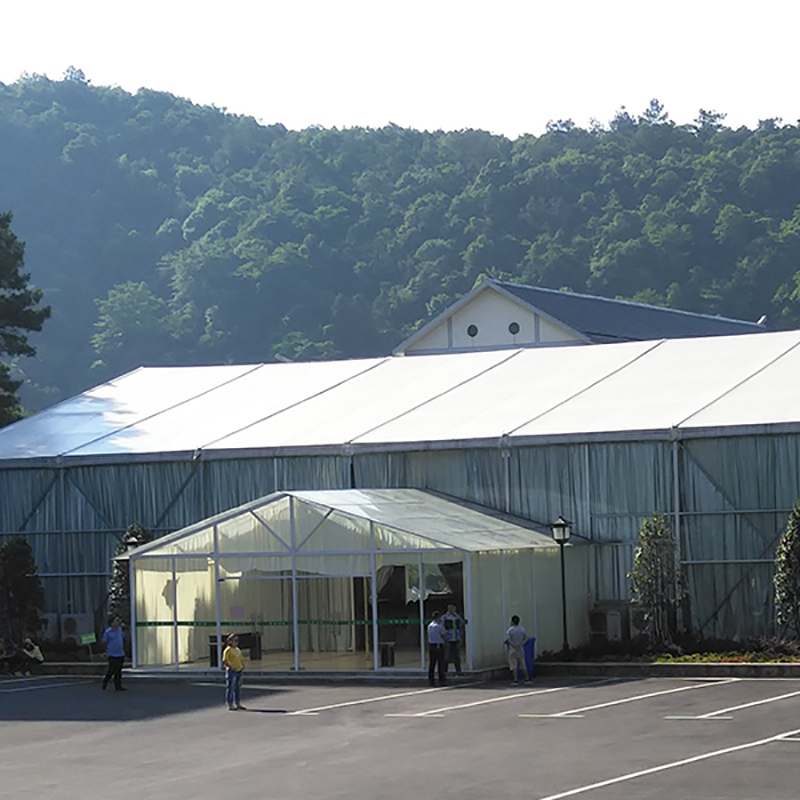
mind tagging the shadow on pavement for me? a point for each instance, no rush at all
(55, 698)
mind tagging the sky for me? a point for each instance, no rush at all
(506, 66)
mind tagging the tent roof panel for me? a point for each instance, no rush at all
(448, 523)
(508, 396)
(369, 400)
(267, 391)
(672, 382)
(769, 397)
(110, 408)
(735, 381)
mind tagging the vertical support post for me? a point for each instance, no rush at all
(295, 623)
(676, 495)
(587, 511)
(676, 512)
(66, 589)
(201, 469)
(468, 612)
(175, 614)
(132, 588)
(422, 628)
(506, 456)
(563, 598)
(375, 644)
(217, 604)
(535, 598)
(504, 622)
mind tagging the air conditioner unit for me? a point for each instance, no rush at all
(608, 622)
(49, 631)
(73, 626)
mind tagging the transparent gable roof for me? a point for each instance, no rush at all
(345, 520)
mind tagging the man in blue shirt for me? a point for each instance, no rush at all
(436, 662)
(114, 638)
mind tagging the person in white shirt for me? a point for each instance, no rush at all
(516, 636)
(436, 659)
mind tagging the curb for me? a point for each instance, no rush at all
(548, 669)
(704, 669)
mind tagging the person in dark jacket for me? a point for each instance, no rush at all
(114, 638)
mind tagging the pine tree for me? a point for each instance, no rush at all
(787, 573)
(21, 593)
(119, 587)
(18, 316)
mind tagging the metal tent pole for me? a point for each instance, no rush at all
(468, 611)
(374, 596)
(132, 588)
(217, 584)
(175, 614)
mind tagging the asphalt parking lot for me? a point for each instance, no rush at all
(602, 739)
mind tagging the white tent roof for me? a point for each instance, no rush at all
(619, 391)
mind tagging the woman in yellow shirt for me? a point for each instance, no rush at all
(233, 660)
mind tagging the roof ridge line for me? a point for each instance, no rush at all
(634, 303)
(738, 384)
(382, 360)
(587, 388)
(109, 382)
(434, 397)
(160, 411)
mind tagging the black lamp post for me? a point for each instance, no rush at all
(561, 533)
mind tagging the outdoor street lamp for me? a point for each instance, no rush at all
(561, 531)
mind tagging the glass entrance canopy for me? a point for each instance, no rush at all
(342, 580)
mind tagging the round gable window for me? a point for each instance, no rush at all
(513, 328)
(472, 331)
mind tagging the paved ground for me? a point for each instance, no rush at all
(603, 739)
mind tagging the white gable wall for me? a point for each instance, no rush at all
(491, 314)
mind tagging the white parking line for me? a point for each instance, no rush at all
(683, 762)
(576, 711)
(713, 714)
(38, 686)
(502, 698)
(317, 709)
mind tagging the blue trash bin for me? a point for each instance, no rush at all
(530, 654)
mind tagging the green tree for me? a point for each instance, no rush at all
(21, 593)
(133, 328)
(656, 584)
(787, 573)
(18, 316)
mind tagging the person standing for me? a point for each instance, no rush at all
(454, 634)
(436, 642)
(233, 659)
(114, 637)
(516, 636)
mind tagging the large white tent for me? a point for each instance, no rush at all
(313, 580)
(705, 430)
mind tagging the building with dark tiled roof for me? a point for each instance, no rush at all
(498, 315)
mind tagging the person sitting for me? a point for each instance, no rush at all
(11, 659)
(31, 655)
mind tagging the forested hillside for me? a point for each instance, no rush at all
(168, 233)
